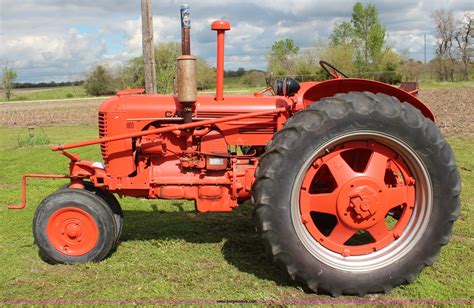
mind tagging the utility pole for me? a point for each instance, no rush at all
(148, 47)
(425, 50)
(424, 59)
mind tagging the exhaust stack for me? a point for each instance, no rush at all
(186, 63)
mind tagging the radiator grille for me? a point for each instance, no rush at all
(103, 133)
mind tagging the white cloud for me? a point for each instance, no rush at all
(45, 39)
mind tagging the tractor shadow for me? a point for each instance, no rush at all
(242, 246)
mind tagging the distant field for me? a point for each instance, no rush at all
(34, 94)
(445, 84)
(232, 85)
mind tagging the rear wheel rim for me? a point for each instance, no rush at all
(358, 198)
(72, 231)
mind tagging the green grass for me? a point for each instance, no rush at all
(170, 252)
(446, 84)
(68, 92)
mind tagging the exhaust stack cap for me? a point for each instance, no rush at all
(185, 17)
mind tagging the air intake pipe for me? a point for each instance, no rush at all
(186, 64)
(221, 26)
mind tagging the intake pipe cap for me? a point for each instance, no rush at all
(218, 25)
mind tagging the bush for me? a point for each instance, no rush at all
(100, 82)
(390, 77)
(32, 136)
(205, 75)
(253, 79)
(69, 95)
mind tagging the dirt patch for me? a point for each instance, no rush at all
(81, 111)
(453, 109)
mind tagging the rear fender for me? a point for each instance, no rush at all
(315, 91)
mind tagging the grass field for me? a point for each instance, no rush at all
(47, 94)
(170, 252)
(445, 84)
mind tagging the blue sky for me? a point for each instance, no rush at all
(56, 40)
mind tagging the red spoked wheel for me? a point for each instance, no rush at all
(72, 231)
(367, 190)
(361, 201)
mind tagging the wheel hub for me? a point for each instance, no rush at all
(358, 202)
(72, 231)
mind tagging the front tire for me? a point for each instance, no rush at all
(112, 202)
(74, 226)
(356, 194)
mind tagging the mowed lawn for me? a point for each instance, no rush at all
(168, 251)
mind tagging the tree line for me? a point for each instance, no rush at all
(357, 47)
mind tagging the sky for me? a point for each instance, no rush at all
(52, 40)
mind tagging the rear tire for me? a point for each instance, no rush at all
(74, 226)
(322, 208)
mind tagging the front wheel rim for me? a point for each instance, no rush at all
(72, 231)
(358, 198)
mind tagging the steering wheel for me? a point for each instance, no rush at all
(268, 81)
(332, 70)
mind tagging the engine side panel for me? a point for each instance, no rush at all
(194, 165)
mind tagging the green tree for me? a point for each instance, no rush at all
(165, 59)
(369, 31)
(282, 58)
(342, 56)
(100, 82)
(205, 75)
(307, 65)
(389, 64)
(8, 81)
(365, 33)
(342, 34)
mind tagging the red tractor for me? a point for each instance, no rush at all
(354, 187)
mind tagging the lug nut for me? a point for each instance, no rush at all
(304, 219)
(346, 252)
